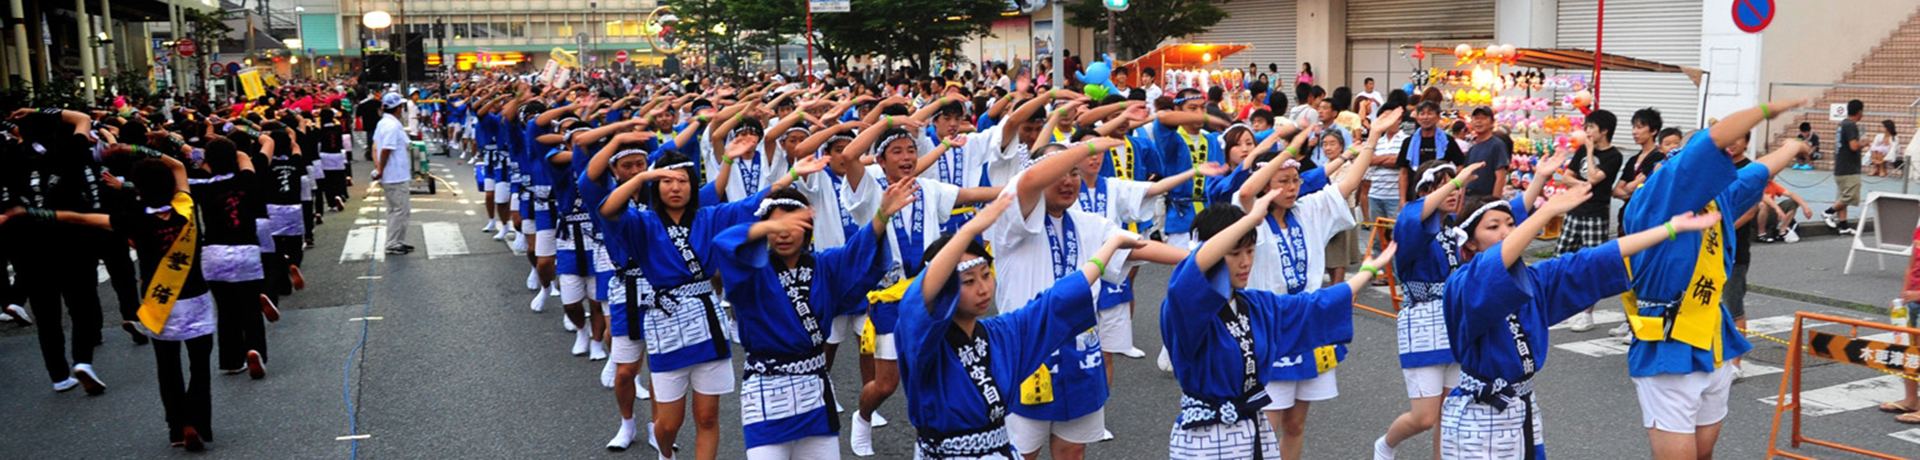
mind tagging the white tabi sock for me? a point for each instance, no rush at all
(862, 439)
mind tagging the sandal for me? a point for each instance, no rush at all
(1894, 407)
(1910, 418)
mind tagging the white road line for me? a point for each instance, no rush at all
(1750, 369)
(1601, 315)
(443, 239)
(1598, 348)
(1855, 395)
(364, 243)
(1774, 325)
(1912, 435)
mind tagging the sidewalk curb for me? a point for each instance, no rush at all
(1817, 300)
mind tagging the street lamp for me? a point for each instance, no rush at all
(377, 20)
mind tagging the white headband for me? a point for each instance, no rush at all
(822, 151)
(767, 205)
(1033, 161)
(1223, 133)
(1432, 175)
(881, 147)
(683, 164)
(625, 153)
(568, 138)
(1467, 225)
(1284, 164)
(968, 265)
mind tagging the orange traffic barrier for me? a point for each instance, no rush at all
(1903, 360)
(1382, 233)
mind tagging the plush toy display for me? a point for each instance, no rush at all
(1099, 78)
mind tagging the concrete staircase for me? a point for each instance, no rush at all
(1896, 61)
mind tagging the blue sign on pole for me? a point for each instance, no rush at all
(233, 68)
(1753, 16)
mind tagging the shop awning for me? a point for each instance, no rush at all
(1186, 55)
(1579, 59)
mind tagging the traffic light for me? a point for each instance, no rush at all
(1116, 5)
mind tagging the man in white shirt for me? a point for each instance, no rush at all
(1147, 82)
(390, 143)
(1378, 100)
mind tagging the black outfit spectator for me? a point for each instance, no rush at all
(1429, 148)
(1495, 154)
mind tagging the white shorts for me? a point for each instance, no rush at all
(1321, 388)
(573, 288)
(1182, 241)
(544, 244)
(487, 185)
(1676, 403)
(1031, 435)
(625, 350)
(884, 348)
(500, 195)
(1116, 328)
(1431, 381)
(811, 447)
(709, 378)
(846, 327)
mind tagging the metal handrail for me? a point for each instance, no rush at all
(1846, 85)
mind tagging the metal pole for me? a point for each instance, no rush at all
(106, 25)
(24, 63)
(1059, 44)
(173, 67)
(1599, 34)
(809, 41)
(85, 32)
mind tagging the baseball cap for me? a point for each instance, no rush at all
(392, 100)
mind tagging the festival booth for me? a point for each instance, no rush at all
(1538, 110)
(1191, 65)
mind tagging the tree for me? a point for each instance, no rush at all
(749, 24)
(913, 30)
(1146, 23)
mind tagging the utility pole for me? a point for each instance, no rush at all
(86, 49)
(24, 63)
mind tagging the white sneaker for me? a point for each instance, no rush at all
(1581, 322)
(18, 314)
(64, 385)
(89, 379)
(1828, 216)
(1380, 449)
(1134, 353)
(622, 438)
(568, 324)
(1622, 330)
(492, 225)
(539, 302)
(640, 391)
(1166, 362)
(598, 352)
(878, 420)
(1792, 236)
(580, 340)
(862, 439)
(1105, 435)
(500, 235)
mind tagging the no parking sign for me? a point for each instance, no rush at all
(1752, 16)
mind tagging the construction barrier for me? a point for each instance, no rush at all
(1902, 360)
(1382, 233)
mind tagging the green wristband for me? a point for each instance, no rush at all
(1292, 151)
(1371, 269)
(1456, 183)
(1671, 234)
(1764, 111)
(1097, 263)
(795, 172)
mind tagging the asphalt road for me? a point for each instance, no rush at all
(457, 366)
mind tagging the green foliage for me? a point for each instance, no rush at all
(1146, 23)
(912, 30)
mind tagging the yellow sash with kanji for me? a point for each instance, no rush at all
(1062, 136)
(156, 305)
(1697, 323)
(1197, 153)
(1123, 169)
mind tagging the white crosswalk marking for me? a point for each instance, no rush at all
(1855, 395)
(1598, 348)
(443, 239)
(1912, 435)
(1774, 325)
(1601, 315)
(364, 243)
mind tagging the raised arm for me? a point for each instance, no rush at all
(1539, 183)
(1257, 183)
(616, 202)
(1515, 244)
(941, 267)
(1439, 194)
(1736, 126)
(1162, 186)
(819, 138)
(1217, 247)
(1350, 179)
(1048, 171)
